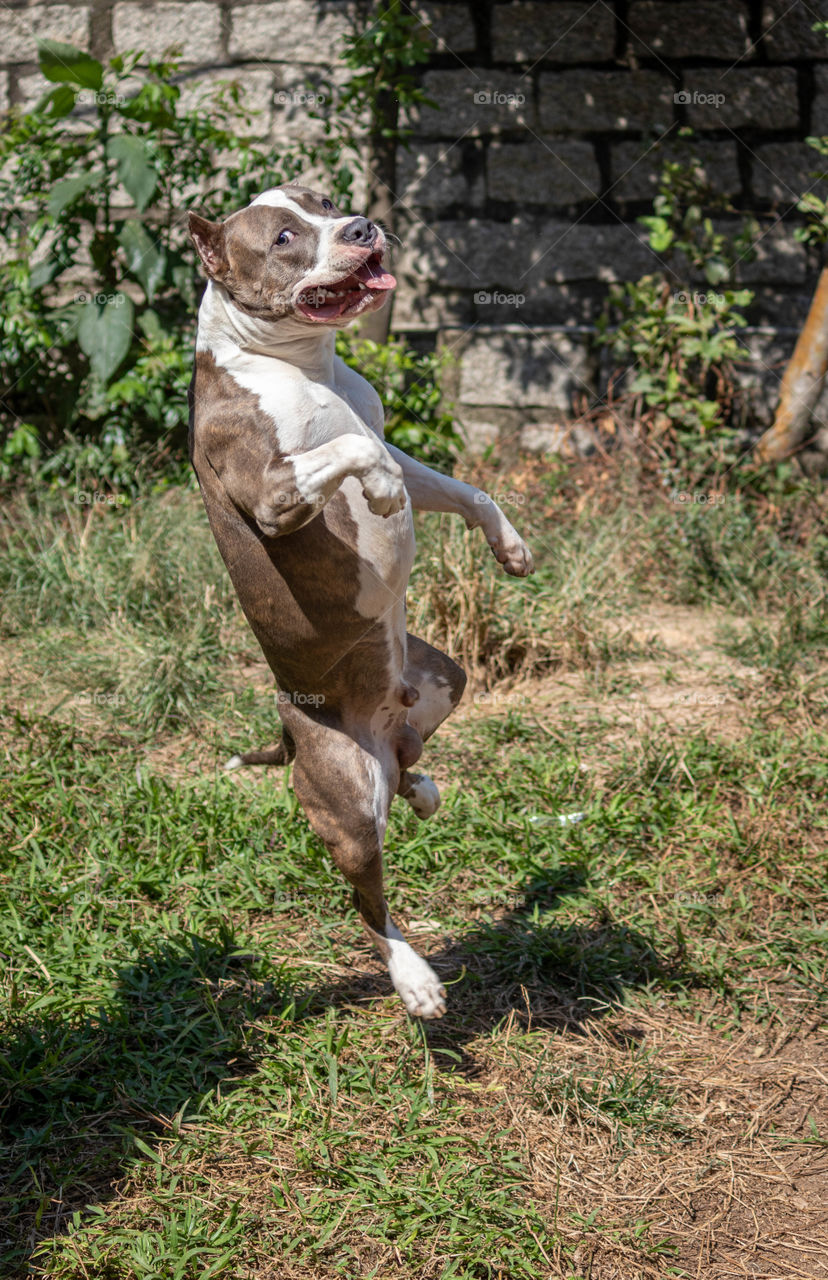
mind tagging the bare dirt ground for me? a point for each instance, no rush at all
(740, 1195)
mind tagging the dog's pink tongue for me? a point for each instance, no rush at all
(374, 277)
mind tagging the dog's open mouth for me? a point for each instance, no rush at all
(349, 296)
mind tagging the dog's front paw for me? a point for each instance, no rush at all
(384, 489)
(416, 983)
(512, 552)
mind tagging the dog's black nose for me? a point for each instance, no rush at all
(360, 231)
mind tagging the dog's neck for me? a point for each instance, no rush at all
(226, 330)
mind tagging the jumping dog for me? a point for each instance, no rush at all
(312, 514)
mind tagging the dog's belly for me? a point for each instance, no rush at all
(326, 602)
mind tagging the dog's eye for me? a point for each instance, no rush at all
(327, 206)
(285, 236)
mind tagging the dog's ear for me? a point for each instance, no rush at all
(208, 238)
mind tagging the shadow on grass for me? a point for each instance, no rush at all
(75, 1094)
(543, 973)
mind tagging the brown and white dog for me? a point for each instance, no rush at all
(311, 511)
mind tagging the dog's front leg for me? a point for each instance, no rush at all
(283, 492)
(319, 472)
(431, 491)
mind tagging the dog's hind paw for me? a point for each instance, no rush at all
(235, 762)
(416, 983)
(422, 795)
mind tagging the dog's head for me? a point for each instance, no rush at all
(292, 253)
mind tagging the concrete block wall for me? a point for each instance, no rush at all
(547, 127)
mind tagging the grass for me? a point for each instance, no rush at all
(203, 1071)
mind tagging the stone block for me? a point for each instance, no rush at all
(819, 111)
(577, 251)
(432, 177)
(479, 436)
(754, 98)
(701, 29)
(779, 258)
(255, 84)
(419, 306)
(193, 28)
(551, 172)
(788, 29)
(289, 31)
(23, 27)
(448, 27)
(601, 101)
(546, 369)
(474, 103)
(776, 307)
(455, 255)
(523, 256)
(565, 33)
(301, 98)
(32, 87)
(4, 93)
(636, 166)
(570, 305)
(759, 372)
(566, 441)
(783, 171)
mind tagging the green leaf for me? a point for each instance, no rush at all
(57, 102)
(149, 322)
(44, 272)
(145, 259)
(105, 333)
(716, 270)
(135, 171)
(70, 317)
(67, 190)
(67, 65)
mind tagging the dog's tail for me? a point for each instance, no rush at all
(281, 755)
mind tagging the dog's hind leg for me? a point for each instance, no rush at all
(439, 682)
(281, 755)
(346, 791)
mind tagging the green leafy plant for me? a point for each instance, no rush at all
(678, 341)
(100, 281)
(417, 418)
(98, 275)
(812, 203)
(368, 113)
